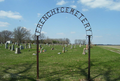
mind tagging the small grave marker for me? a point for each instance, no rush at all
(52, 48)
(6, 45)
(40, 50)
(21, 47)
(25, 45)
(59, 53)
(84, 51)
(1, 43)
(63, 51)
(17, 51)
(40, 46)
(71, 46)
(29, 45)
(12, 49)
(80, 45)
(65, 45)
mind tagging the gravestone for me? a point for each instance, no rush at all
(63, 51)
(86, 46)
(1, 43)
(26, 45)
(84, 51)
(52, 48)
(17, 51)
(21, 47)
(12, 49)
(65, 45)
(40, 50)
(15, 43)
(30, 45)
(40, 46)
(9, 47)
(59, 53)
(34, 54)
(80, 45)
(46, 43)
(49, 45)
(6, 46)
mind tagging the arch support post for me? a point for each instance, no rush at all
(89, 57)
(37, 57)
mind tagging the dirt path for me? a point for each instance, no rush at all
(115, 49)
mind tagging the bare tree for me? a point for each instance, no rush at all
(67, 40)
(79, 41)
(1, 37)
(76, 41)
(42, 37)
(21, 34)
(48, 40)
(83, 42)
(5, 35)
(34, 37)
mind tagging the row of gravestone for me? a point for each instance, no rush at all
(17, 50)
(63, 51)
(66, 45)
(21, 47)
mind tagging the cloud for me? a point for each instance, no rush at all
(72, 32)
(109, 4)
(62, 2)
(1, 0)
(43, 32)
(10, 14)
(73, 6)
(38, 14)
(4, 24)
(60, 33)
(26, 29)
(84, 9)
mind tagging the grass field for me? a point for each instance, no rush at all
(69, 66)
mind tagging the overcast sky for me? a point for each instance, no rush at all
(103, 16)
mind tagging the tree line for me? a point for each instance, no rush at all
(23, 35)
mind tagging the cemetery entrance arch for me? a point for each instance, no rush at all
(68, 10)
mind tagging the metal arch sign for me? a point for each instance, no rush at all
(69, 10)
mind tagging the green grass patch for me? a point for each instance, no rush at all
(69, 66)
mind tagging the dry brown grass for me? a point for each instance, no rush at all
(117, 47)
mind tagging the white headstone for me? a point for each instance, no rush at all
(25, 45)
(12, 49)
(63, 51)
(80, 45)
(6, 46)
(17, 51)
(21, 47)
(84, 51)
(30, 45)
